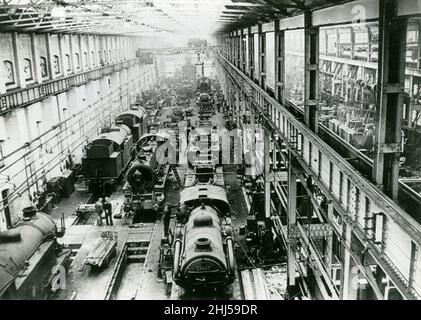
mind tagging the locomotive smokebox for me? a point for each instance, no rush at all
(141, 178)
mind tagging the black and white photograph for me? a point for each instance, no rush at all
(210, 155)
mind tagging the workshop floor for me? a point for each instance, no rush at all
(140, 281)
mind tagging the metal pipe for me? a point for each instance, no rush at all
(177, 251)
(230, 256)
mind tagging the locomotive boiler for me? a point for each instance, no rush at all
(18, 245)
(204, 245)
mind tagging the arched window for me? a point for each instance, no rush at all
(86, 59)
(93, 58)
(9, 72)
(56, 65)
(68, 63)
(27, 69)
(77, 60)
(110, 56)
(43, 65)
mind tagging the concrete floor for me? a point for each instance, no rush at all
(67, 206)
(82, 283)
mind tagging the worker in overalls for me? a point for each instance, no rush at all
(99, 209)
(108, 208)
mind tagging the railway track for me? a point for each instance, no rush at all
(128, 271)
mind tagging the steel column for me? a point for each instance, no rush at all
(419, 46)
(253, 137)
(279, 63)
(262, 58)
(311, 81)
(266, 155)
(249, 51)
(237, 106)
(234, 49)
(241, 49)
(390, 90)
(292, 220)
(257, 64)
(229, 48)
(237, 51)
(329, 241)
(349, 286)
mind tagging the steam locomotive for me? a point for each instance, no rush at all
(17, 246)
(109, 154)
(205, 98)
(145, 179)
(204, 245)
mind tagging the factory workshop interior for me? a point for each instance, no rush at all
(215, 150)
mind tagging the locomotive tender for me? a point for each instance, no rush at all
(204, 243)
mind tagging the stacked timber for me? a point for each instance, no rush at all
(103, 251)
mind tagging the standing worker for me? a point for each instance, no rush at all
(167, 219)
(127, 211)
(99, 209)
(181, 212)
(108, 208)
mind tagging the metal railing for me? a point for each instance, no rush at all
(22, 97)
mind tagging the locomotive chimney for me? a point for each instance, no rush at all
(203, 244)
(29, 212)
